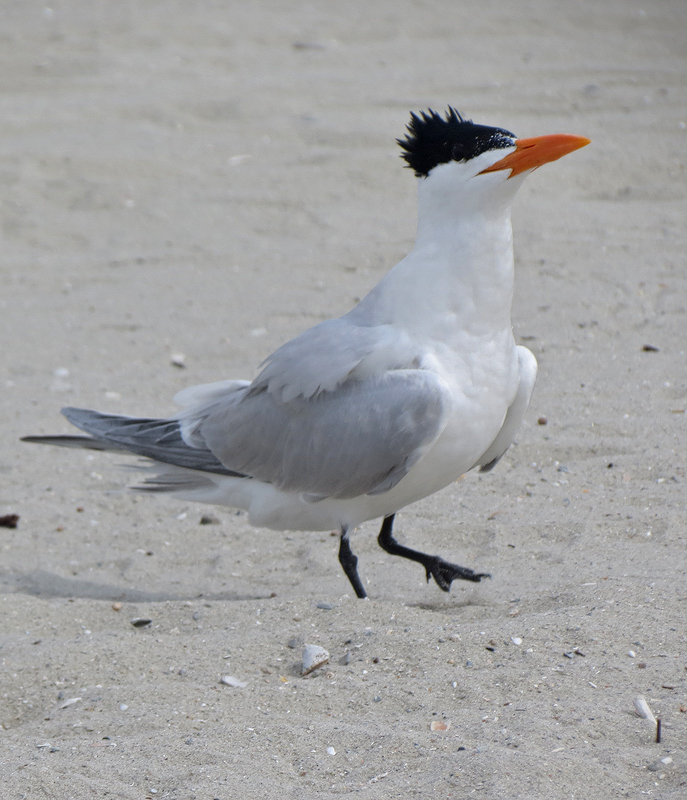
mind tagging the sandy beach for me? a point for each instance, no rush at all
(185, 187)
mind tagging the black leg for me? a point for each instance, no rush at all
(442, 571)
(349, 561)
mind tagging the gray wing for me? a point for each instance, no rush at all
(360, 439)
(324, 357)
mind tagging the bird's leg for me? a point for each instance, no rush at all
(349, 561)
(442, 571)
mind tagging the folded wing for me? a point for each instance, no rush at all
(359, 439)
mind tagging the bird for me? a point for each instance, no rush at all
(362, 415)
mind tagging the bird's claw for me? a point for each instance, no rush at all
(444, 573)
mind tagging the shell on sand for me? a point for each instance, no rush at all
(314, 657)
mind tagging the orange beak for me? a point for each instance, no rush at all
(532, 153)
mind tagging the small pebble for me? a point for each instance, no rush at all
(331, 751)
(439, 725)
(9, 521)
(326, 606)
(116, 606)
(658, 765)
(542, 421)
(314, 657)
(208, 519)
(140, 622)
(178, 360)
(123, 707)
(227, 680)
(305, 46)
(516, 640)
(632, 653)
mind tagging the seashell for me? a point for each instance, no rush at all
(228, 680)
(642, 709)
(314, 657)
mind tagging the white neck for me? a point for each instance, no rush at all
(458, 278)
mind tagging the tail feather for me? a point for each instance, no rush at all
(82, 442)
(158, 439)
(174, 480)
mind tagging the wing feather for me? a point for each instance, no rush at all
(362, 438)
(323, 358)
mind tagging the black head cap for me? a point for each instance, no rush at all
(433, 139)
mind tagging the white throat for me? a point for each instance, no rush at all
(459, 275)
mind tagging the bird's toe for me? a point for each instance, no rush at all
(444, 573)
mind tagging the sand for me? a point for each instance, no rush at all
(207, 180)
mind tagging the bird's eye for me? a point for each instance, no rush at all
(457, 153)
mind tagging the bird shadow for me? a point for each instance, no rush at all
(41, 583)
(443, 606)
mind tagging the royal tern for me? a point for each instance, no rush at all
(360, 416)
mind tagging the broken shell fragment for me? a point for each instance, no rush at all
(642, 709)
(314, 657)
(229, 680)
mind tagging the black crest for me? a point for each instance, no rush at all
(433, 139)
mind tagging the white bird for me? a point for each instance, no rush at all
(360, 416)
